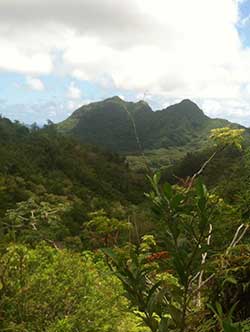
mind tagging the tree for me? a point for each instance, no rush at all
(166, 287)
(49, 290)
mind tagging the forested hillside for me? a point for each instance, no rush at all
(115, 123)
(88, 245)
(39, 168)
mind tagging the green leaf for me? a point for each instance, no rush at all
(167, 190)
(176, 200)
(201, 189)
(230, 279)
(176, 314)
(230, 327)
(219, 309)
(110, 253)
(180, 269)
(163, 326)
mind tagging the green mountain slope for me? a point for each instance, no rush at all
(117, 125)
(43, 161)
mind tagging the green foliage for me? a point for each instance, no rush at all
(187, 215)
(226, 323)
(228, 136)
(42, 171)
(231, 283)
(32, 221)
(168, 288)
(104, 231)
(136, 267)
(47, 290)
(170, 265)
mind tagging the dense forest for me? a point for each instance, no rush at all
(90, 244)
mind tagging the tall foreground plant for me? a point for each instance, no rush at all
(164, 287)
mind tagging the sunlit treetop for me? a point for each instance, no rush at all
(228, 136)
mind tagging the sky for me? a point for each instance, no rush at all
(58, 55)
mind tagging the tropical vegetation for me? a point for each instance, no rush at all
(89, 244)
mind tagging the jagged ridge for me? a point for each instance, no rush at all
(110, 123)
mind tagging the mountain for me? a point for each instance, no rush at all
(118, 125)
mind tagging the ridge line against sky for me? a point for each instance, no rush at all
(57, 55)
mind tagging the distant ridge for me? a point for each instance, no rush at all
(109, 123)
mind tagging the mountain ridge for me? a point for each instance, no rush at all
(117, 125)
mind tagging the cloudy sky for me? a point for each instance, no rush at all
(58, 54)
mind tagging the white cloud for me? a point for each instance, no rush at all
(34, 83)
(73, 91)
(18, 58)
(172, 49)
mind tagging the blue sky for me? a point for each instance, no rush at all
(244, 29)
(54, 60)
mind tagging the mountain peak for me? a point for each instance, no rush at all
(186, 106)
(106, 123)
(142, 102)
(131, 105)
(189, 103)
(115, 98)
